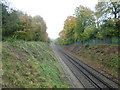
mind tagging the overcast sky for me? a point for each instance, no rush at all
(54, 12)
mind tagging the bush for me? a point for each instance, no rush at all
(87, 45)
(20, 35)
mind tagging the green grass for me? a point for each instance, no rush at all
(31, 65)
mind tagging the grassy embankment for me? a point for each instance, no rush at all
(104, 57)
(31, 65)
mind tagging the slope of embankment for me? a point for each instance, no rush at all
(103, 56)
(31, 65)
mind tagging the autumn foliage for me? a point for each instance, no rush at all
(85, 24)
(20, 26)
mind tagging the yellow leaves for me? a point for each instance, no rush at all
(70, 23)
(18, 32)
(100, 35)
(76, 35)
(62, 33)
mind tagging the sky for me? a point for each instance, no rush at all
(54, 12)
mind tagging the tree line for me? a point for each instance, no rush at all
(20, 26)
(85, 24)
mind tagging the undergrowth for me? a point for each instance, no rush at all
(31, 65)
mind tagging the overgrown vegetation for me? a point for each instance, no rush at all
(103, 56)
(85, 25)
(19, 26)
(31, 65)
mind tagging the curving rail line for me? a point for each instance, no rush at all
(97, 79)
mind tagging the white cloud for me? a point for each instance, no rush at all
(54, 12)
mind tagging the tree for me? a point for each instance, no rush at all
(67, 34)
(69, 26)
(80, 27)
(9, 21)
(85, 18)
(62, 37)
(17, 25)
(108, 10)
(108, 17)
(40, 27)
(89, 33)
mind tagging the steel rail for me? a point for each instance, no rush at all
(103, 82)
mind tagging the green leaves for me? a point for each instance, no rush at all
(18, 25)
(86, 24)
(78, 28)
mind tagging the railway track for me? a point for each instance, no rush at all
(88, 76)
